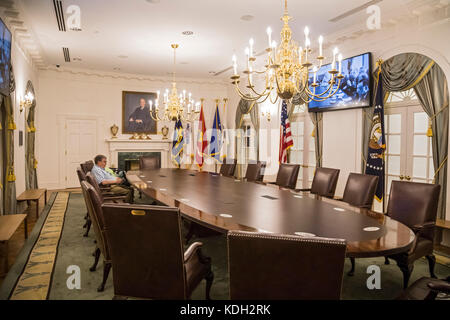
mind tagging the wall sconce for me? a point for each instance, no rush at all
(27, 102)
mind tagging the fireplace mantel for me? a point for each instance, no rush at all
(155, 145)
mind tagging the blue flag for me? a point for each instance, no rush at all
(216, 137)
(377, 142)
(177, 143)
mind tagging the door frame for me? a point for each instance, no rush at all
(61, 120)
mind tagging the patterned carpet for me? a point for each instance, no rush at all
(39, 276)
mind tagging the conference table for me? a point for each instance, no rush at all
(224, 203)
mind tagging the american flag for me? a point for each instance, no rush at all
(285, 134)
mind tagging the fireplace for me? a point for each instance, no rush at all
(129, 160)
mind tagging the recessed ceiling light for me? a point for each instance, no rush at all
(116, 69)
(212, 72)
(77, 59)
(187, 33)
(247, 17)
(184, 62)
(153, 1)
(122, 56)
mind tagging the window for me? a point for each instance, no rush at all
(303, 150)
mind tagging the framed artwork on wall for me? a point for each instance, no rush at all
(136, 112)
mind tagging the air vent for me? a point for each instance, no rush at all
(66, 54)
(354, 10)
(59, 12)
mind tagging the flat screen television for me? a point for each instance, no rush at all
(355, 90)
(5, 58)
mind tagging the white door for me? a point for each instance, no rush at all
(81, 145)
(409, 155)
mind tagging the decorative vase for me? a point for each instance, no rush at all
(114, 130)
(165, 132)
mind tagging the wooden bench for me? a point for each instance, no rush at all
(9, 225)
(33, 195)
(444, 224)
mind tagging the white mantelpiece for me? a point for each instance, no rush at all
(127, 145)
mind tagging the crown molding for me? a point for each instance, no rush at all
(129, 76)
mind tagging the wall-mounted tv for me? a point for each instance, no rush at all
(355, 90)
(5, 57)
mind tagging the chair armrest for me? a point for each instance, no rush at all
(339, 198)
(441, 286)
(418, 228)
(194, 248)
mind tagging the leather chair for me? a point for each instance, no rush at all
(82, 177)
(287, 175)
(228, 167)
(255, 171)
(268, 266)
(324, 182)
(104, 195)
(360, 190)
(149, 163)
(87, 166)
(415, 205)
(426, 289)
(96, 213)
(147, 254)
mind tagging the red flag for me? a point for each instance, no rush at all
(202, 143)
(285, 134)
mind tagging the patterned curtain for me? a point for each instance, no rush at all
(31, 162)
(9, 185)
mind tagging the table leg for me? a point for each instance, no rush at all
(5, 249)
(45, 196)
(25, 226)
(37, 208)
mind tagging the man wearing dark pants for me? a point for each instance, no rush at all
(104, 178)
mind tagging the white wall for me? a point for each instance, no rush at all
(99, 94)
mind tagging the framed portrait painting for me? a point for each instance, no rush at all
(136, 112)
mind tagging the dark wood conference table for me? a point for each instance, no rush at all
(224, 204)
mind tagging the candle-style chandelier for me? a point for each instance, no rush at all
(175, 106)
(288, 69)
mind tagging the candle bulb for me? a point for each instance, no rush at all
(307, 44)
(250, 75)
(335, 52)
(306, 32)
(150, 103)
(247, 53)
(234, 64)
(340, 63)
(251, 42)
(315, 74)
(300, 55)
(269, 34)
(320, 46)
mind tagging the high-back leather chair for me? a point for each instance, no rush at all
(228, 167)
(324, 182)
(360, 190)
(96, 214)
(87, 166)
(147, 254)
(82, 177)
(287, 175)
(255, 171)
(426, 289)
(149, 163)
(415, 205)
(105, 196)
(268, 266)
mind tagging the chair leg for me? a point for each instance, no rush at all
(352, 270)
(431, 262)
(88, 227)
(406, 270)
(386, 260)
(96, 257)
(106, 269)
(209, 280)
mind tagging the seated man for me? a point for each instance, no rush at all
(104, 178)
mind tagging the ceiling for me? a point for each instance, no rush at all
(134, 36)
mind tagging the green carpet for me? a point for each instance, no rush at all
(74, 249)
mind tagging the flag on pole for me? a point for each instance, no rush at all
(202, 143)
(188, 154)
(285, 134)
(177, 143)
(216, 137)
(377, 142)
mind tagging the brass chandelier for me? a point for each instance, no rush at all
(287, 69)
(175, 106)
